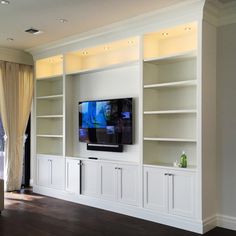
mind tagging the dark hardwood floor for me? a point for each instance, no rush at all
(29, 214)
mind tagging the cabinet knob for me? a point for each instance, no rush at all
(166, 174)
(171, 175)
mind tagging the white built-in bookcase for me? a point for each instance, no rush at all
(163, 71)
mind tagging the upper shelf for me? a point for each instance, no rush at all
(49, 67)
(172, 58)
(170, 44)
(172, 84)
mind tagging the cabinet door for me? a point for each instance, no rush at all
(73, 176)
(57, 177)
(155, 189)
(43, 171)
(108, 173)
(127, 183)
(90, 178)
(181, 193)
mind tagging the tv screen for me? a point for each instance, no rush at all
(106, 121)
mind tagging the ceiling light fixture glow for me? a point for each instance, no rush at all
(4, 2)
(165, 34)
(61, 20)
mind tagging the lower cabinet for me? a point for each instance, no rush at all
(51, 172)
(119, 182)
(170, 191)
(110, 181)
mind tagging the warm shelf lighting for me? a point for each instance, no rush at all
(165, 34)
(187, 28)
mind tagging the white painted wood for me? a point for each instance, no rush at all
(73, 176)
(43, 171)
(128, 184)
(181, 187)
(50, 172)
(169, 139)
(108, 181)
(171, 84)
(170, 191)
(169, 112)
(90, 178)
(155, 189)
(57, 173)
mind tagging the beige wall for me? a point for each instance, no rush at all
(226, 119)
(16, 56)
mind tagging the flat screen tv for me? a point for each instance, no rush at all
(106, 121)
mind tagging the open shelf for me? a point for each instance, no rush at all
(124, 64)
(164, 152)
(106, 56)
(52, 86)
(172, 84)
(50, 116)
(49, 136)
(49, 67)
(169, 112)
(53, 97)
(173, 42)
(172, 58)
(49, 145)
(190, 168)
(170, 139)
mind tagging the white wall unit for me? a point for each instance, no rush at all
(170, 191)
(163, 71)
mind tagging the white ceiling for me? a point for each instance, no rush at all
(82, 16)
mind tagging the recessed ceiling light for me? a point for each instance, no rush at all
(4, 2)
(61, 20)
(10, 39)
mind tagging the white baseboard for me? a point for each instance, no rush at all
(209, 223)
(134, 211)
(227, 222)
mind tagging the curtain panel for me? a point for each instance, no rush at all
(16, 92)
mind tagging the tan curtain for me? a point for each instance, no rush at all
(16, 91)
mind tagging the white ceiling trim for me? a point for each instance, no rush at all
(220, 14)
(189, 10)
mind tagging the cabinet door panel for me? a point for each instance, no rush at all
(128, 179)
(43, 175)
(181, 197)
(155, 189)
(57, 173)
(90, 178)
(73, 176)
(108, 181)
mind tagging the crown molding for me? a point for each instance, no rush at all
(219, 14)
(186, 11)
